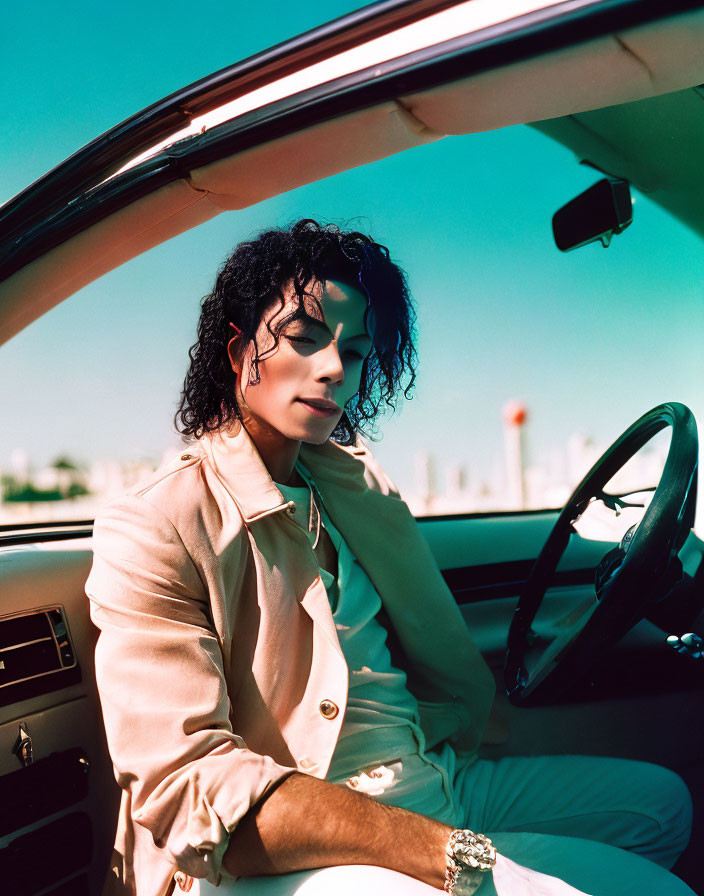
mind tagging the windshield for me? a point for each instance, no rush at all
(532, 360)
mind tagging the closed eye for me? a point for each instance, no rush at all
(306, 340)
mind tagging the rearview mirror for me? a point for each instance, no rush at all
(601, 211)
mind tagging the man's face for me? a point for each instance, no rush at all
(319, 360)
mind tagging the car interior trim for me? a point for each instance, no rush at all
(43, 788)
(531, 34)
(489, 581)
(439, 27)
(103, 155)
(65, 846)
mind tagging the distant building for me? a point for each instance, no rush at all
(514, 415)
(19, 465)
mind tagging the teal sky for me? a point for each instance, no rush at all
(589, 339)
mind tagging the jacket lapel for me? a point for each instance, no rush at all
(234, 457)
(382, 533)
(384, 536)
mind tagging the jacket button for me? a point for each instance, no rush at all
(186, 457)
(328, 709)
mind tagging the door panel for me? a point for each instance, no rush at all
(475, 540)
(58, 721)
(643, 701)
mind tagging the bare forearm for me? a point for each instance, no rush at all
(308, 823)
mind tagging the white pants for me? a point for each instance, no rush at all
(600, 824)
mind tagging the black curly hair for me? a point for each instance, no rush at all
(247, 284)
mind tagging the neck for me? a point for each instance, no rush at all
(278, 453)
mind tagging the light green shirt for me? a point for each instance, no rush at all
(380, 727)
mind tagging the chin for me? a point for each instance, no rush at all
(308, 434)
(319, 437)
(316, 440)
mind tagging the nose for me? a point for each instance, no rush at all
(331, 367)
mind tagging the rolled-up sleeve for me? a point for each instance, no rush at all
(163, 692)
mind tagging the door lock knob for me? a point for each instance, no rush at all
(23, 748)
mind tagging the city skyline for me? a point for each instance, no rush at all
(435, 489)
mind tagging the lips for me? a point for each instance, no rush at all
(320, 408)
(321, 403)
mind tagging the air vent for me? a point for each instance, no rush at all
(34, 644)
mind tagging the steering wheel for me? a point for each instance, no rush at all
(629, 578)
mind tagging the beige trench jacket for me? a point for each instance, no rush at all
(218, 658)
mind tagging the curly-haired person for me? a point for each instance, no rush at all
(292, 702)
